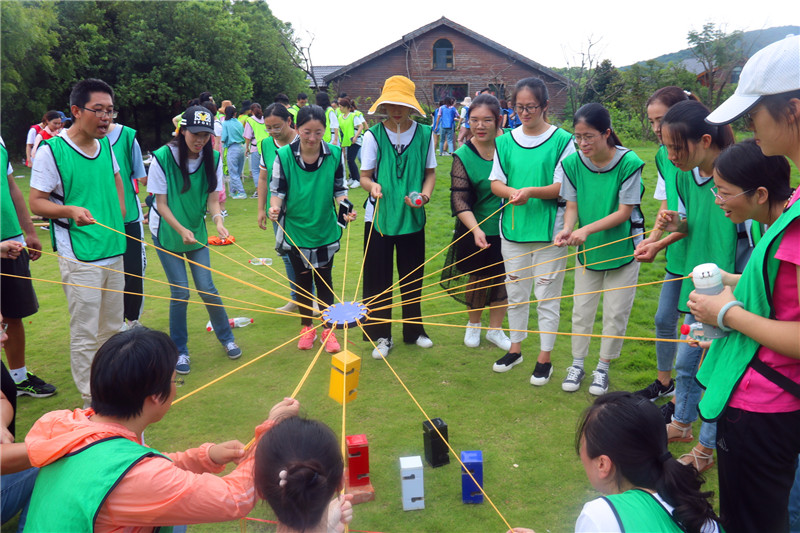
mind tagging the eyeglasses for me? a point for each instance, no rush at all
(102, 113)
(589, 138)
(520, 109)
(476, 122)
(178, 381)
(723, 199)
(274, 129)
(5, 327)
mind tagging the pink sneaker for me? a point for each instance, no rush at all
(331, 345)
(307, 338)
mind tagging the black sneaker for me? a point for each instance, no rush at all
(541, 373)
(667, 410)
(656, 390)
(507, 362)
(34, 386)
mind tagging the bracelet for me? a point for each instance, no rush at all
(725, 309)
(215, 216)
(427, 198)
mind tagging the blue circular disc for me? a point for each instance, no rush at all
(346, 313)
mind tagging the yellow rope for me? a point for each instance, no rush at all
(402, 384)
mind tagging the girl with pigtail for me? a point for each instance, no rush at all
(298, 471)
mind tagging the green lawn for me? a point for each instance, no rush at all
(526, 434)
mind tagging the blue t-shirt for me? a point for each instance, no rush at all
(447, 116)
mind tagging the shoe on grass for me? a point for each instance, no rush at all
(382, 347)
(307, 337)
(183, 364)
(499, 339)
(507, 362)
(472, 336)
(331, 344)
(656, 390)
(424, 342)
(34, 387)
(541, 373)
(289, 307)
(667, 410)
(233, 351)
(599, 384)
(572, 382)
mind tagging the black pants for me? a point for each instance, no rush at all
(352, 152)
(378, 270)
(135, 262)
(757, 455)
(319, 277)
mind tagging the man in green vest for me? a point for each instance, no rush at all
(96, 474)
(75, 182)
(17, 297)
(302, 100)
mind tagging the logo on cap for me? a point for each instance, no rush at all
(202, 117)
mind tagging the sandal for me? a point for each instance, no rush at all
(676, 433)
(700, 460)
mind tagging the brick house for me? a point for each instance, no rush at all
(444, 59)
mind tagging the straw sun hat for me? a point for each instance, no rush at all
(398, 90)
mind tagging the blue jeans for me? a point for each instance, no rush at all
(288, 265)
(16, 495)
(235, 166)
(255, 160)
(447, 133)
(175, 269)
(688, 391)
(667, 322)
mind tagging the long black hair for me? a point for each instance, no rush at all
(183, 161)
(630, 430)
(745, 165)
(598, 117)
(687, 122)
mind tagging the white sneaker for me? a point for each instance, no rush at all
(424, 342)
(355, 184)
(499, 339)
(288, 307)
(472, 337)
(134, 324)
(382, 348)
(599, 384)
(316, 311)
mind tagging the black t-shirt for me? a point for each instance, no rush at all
(9, 388)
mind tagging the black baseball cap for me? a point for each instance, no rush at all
(198, 119)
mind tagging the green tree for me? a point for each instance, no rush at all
(719, 53)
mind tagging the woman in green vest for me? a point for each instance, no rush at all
(351, 126)
(475, 261)
(186, 177)
(623, 448)
(666, 318)
(523, 174)
(761, 310)
(693, 145)
(307, 186)
(602, 184)
(398, 158)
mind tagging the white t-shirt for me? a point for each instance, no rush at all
(597, 516)
(369, 154)
(46, 178)
(31, 135)
(157, 183)
(530, 141)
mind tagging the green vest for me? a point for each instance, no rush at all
(347, 128)
(676, 252)
(122, 150)
(328, 133)
(310, 220)
(69, 492)
(399, 175)
(9, 223)
(598, 197)
(188, 207)
(711, 237)
(639, 511)
(486, 203)
(293, 110)
(259, 130)
(90, 183)
(268, 151)
(530, 167)
(729, 357)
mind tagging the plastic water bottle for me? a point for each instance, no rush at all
(416, 198)
(261, 261)
(707, 279)
(238, 322)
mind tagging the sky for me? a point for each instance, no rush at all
(625, 31)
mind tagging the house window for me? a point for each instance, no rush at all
(442, 55)
(457, 91)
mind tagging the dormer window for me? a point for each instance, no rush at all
(442, 55)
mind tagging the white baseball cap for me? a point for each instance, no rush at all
(774, 69)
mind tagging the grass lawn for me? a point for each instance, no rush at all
(531, 470)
